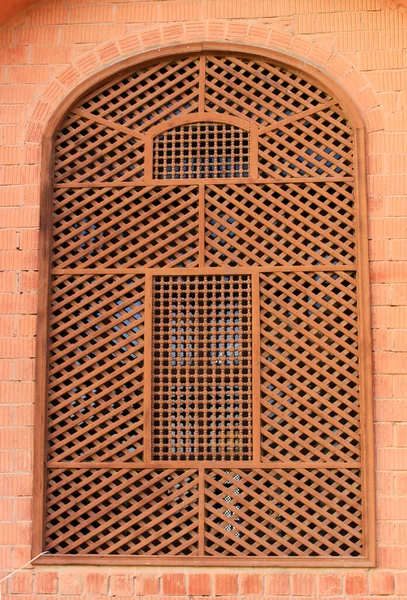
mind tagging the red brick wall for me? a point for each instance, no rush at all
(45, 52)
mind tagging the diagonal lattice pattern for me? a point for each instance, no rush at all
(122, 511)
(87, 152)
(264, 225)
(96, 368)
(319, 145)
(144, 227)
(153, 94)
(309, 360)
(283, 513)
(260, 91)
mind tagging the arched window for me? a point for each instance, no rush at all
(208, 378)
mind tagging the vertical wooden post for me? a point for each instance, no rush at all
(148, 366)
(256, 365)
(201, 518)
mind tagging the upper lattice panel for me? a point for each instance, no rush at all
(119, 132)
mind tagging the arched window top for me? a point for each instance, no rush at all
(208, 376)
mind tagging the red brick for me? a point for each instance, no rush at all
(24, 415)
(7, 326)
(96, 583)
(384, 435)
(173, 584)
(401, 583)
(46, 582)
(381, 583)
(225, 584)
(251, 584)
(329, 585)
(6, 509)
(51, 55)
(92, 14)
(147, 585)
(392, 558)
(355, 583)
(302, 584)
(23, 512)
(22, 583)
(8, 283)
(50, 15)
(79, 34)
(199, 584)
(400, 434)
(14, 439)
(70, 583)
(28, 74)
(26, 325)
(37, 35)
(16, 534)
(401, 483)
(121, 585)
(392, 459)
(24, 369)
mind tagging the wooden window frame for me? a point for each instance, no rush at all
(366, 410)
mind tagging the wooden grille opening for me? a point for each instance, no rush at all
(202, 151)
(208, 379)
(202, 352)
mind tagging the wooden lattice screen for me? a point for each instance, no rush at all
(205, 361)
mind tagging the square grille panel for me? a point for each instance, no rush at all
(202, 150)
(202, 367)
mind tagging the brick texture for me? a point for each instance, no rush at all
(45, 51)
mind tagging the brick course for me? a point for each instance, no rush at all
(45, 52)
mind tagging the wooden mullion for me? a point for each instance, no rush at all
(110, 124)
(148, 365)
(202, 76)
(256, 367)
(203, 270)
(215, 180)
(42, 353)
(297, 116)
(201, 517)
(296, 465)
(202, 225)
(365, 344)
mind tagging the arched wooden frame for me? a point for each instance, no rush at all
(366, 412)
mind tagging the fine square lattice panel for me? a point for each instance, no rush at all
(142, 99)
(88, 152)
(258, 90)
(201, 151)
(143, 227)
(265, 225)
(122, 511)
(96, 370)
(309, 360)
(283, 512)
(319, 145)
(202, 368)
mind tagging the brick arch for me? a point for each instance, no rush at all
(350, 85)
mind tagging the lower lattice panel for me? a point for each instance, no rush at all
(247, 512)
(283, 513)
(136, 512)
